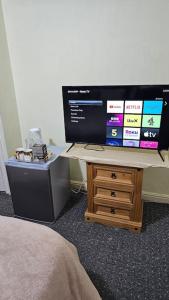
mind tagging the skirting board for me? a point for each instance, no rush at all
(146, 196)
(155, 197)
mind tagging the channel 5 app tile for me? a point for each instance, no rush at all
(133, 107)
(152, 121)
(152, 107)
(151, 134)
(115, 106)
(132, 120)
(130, 143)
(116, 142)
(114, 120)
(131, 133)
(114, 132)
(149, 144)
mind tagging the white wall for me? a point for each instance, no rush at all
(4, 185)
(8, 106)
(54, 43)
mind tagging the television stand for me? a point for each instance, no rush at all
(114, 184)
(70, 147)
(114, 196)
(159, 152)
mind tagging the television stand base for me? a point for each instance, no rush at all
(94, 147)
(159, 152)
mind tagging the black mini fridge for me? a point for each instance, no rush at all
(39, 190)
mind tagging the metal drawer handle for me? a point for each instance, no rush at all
(113, 194)
(112, 210)
(113, 175)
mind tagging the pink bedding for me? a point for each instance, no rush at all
(36, 263)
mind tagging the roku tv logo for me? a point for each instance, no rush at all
(131, 133)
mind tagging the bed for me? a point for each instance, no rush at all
(36, 263)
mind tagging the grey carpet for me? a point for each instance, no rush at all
(121, 264)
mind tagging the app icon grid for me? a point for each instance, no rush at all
(133, 123)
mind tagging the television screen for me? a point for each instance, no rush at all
(121, 116)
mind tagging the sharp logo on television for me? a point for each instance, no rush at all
(114, 120)
(115, 106)
(132, 120)
(149, 134)
(133, 107)
(131, 133)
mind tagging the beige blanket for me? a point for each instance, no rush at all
(36, 263)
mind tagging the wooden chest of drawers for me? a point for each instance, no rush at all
(114, 196)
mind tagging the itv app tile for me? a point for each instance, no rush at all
(152, 107)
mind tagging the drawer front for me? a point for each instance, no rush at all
(112, 211)
(113, 194)
(114, 174)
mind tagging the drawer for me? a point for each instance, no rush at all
(112, 211)
(113, 194)
(114, 174)
(113, 203)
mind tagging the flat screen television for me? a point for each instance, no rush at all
(134, 116)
